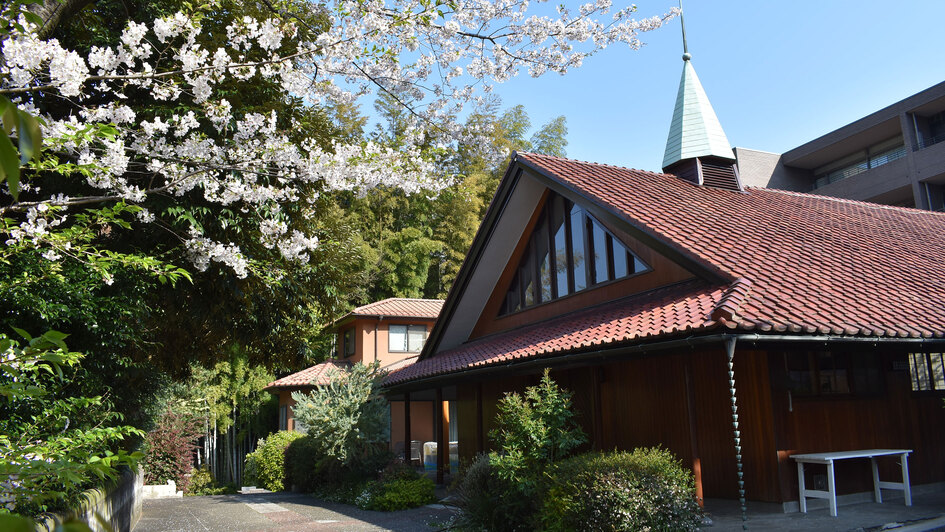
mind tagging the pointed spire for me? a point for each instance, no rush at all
(695, 130)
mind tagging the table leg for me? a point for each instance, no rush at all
(800, 482)
(877, 492)
(832, 488)
(907, 489)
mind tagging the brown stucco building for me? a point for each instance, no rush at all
(391, 332)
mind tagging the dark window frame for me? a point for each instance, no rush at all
(933, 385)
(530, 260)
(841, 359)
(347, 339)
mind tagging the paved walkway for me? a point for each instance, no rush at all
(290, 512)
(867, 516)
(283, 512)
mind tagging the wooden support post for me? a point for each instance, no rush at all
(597, 422)
(693, 441)
(442, 450)
(407, 446)
(480, 436)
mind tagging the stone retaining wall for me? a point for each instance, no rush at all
(119, 505)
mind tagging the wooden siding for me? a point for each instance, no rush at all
(643, 403)
(649, 401)
(895, 418)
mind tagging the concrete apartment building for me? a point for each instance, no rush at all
(895, 156)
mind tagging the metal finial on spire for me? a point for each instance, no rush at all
(686, 56)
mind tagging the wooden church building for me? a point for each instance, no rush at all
(733, 326)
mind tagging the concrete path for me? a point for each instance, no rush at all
(868, 516)
(283, 512)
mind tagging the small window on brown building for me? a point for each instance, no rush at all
(824, 373)
(349, 342)
(406, 338)
(927, 371)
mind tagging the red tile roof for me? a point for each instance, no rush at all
(796, 263)
(317, 375)
(400, 307)
(683, 307)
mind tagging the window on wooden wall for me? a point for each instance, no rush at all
(927, 371)
(568, 251)
(826, 373)
(406, 338)
(283, 417)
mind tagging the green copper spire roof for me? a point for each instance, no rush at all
(695, 130)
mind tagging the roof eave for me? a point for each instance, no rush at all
(612, 353)
(483, 234)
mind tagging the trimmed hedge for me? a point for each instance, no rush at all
(646, 489)
(266, 465)
(397, 494)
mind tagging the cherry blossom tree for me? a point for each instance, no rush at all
(434, 56)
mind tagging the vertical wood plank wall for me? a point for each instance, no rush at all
(894, 418)
(643, 402)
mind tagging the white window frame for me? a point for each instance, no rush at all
(407, 329)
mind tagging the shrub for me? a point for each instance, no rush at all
(501, 491)
(202, 483)
(303, 470)
(169, 449)
(646, 489)
(484, 500)
(348, 420)
(397, 494)
(398, 487)
(266, 465)
(533, 431)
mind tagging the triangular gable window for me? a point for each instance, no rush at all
(568, 251)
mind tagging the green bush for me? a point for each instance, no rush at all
(303, 468)
(533, 430)
(397, 494)
(349, 419)
(646, 489)
(485, 502)
(266, 465)
(202, 483)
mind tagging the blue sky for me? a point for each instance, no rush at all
(778, 73)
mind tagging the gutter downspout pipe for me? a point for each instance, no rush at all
(730, 352)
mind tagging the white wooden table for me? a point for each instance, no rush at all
(829, 458)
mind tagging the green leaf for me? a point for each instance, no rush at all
(24, 334)
(8, 112)
(9, 165)
(15, 523)
(32, 18)
(31, 137)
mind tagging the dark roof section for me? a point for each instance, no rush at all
(788, 262)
